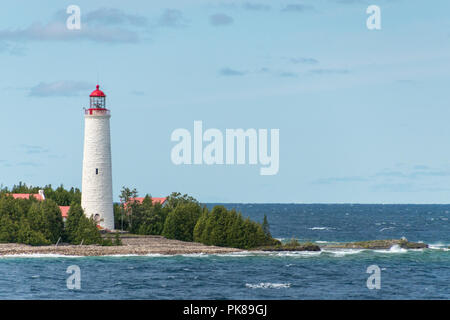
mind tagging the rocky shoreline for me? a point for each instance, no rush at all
(139, 245)
(145, 245)
(378, 244)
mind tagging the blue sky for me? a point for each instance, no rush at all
(363, 115)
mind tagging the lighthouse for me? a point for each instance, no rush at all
(96, 186)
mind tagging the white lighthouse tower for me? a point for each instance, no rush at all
(96, 187)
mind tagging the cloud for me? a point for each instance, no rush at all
(302, 60)
(332, 180)
(256, 6)
(104, 25)
(328, 71)
(287, 74)
(64, 88)
(231, 72)
(29, 164)
(417, 172)
(172, 18)
(220, 19)
(266, 71)
(57, 31)
(113, 16)
(297, 8)
(31, 149)
(14, 50)
(394, 187)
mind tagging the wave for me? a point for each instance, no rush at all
(195, 255)
(343, 252)
(387, 228)
(394, 249)
(321, 228)
(268, 285)
(439, 246)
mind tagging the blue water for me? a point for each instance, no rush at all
(341, 274)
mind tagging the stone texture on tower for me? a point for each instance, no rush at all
(96, 196)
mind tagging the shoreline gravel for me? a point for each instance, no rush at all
(142, 245)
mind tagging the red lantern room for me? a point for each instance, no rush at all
(97, 103)
(97, 99)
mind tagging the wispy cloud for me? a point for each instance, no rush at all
(328, 71)
(104, 25)
(12, 49)
(32, 149)
(57, 31)
(256, 6)
(172, 18)
(64, 88)
(302, 60)
(29, 164)
(231, 72)
(287, 74)
(332, 180)
(297, 7)
(113, 16)
(220, 19)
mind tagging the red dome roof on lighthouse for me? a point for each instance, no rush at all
(97, 92)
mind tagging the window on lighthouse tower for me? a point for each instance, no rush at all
(96, 171)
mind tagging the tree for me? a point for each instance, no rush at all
(29, 236)
(81, 229)
(181, 221)
(266, 227)
(128, 204)
(222, 227)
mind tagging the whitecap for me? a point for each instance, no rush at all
(394, 249)
(268, 285)
(195, 255)
(343, 252)
(387, 228)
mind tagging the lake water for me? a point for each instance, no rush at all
(340, 274)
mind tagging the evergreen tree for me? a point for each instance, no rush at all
(266, 228)
(181, 221)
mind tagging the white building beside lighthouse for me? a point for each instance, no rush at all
(96, 187)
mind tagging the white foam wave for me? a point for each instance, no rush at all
(321, 228)
(195, 255)
(439, 246)
(394, 249)
(268, 285)
(299, 254)
(343, 252)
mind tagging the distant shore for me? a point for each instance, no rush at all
(146, 245)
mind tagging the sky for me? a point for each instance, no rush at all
(363, 115)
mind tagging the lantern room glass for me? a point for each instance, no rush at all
(98, 103)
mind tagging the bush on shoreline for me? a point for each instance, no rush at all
(34, 222)
(183, 218)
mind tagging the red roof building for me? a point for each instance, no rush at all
(38, 196)
(41, 197)
(154, 200)
(64, 211)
